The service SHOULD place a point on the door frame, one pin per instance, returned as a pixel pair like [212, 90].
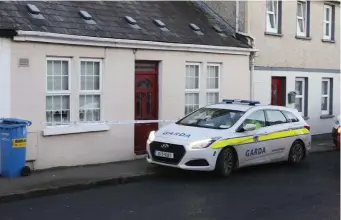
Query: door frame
[284, 85]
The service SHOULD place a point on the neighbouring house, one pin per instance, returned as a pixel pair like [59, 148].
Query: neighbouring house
[299, 44]
[75, 67]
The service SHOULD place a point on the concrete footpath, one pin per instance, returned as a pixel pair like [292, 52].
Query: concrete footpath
[60, 180]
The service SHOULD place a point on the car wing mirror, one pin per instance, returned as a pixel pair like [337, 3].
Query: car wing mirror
[249, 127]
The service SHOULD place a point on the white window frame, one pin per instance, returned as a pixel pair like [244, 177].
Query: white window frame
[275, 13]
[326, 112]
[325, 21]
[61, 92]
[91, 92]
[304, 18]
[303, 94]
[217, 90]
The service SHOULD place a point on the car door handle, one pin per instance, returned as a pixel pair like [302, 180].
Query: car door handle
[263, 133]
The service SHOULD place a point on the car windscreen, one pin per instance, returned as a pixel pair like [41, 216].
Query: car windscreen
[212, 118]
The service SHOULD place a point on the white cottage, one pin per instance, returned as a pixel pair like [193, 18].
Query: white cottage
[73, 68]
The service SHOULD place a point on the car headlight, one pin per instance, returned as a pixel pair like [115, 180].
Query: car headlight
[151, 137]
[203, 143]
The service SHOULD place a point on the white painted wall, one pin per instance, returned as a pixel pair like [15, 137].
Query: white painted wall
[117, 144]
[5, 77]
[318, 126]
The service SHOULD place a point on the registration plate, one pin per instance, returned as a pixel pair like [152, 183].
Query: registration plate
[164, 154]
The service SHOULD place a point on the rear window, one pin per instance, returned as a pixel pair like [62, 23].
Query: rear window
[290, 116]
[212, 118]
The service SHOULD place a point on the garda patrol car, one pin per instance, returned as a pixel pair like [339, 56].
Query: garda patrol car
[229, 135]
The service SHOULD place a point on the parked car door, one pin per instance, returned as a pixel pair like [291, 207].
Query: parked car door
[255, 151]
[277, 139]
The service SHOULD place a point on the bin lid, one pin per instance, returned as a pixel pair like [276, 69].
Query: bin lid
[14, 122]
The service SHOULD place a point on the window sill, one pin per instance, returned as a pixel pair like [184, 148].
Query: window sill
[328, 41]
[74, 129]
[326, 116]
[273, 34]
[302, 38]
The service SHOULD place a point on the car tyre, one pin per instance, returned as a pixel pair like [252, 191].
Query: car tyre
[225, 162]
[297, 153]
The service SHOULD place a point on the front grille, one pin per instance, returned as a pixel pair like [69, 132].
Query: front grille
[178, 151]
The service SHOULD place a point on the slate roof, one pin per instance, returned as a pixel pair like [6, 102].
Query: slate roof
[63, 17]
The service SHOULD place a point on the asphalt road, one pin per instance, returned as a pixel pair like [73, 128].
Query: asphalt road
[272, 192]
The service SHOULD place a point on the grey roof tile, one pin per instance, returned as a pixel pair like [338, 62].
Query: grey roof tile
[62, 17]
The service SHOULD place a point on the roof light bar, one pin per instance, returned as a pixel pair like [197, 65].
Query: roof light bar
[230, 101]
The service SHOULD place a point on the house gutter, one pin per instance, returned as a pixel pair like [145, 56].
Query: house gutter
[44, 37]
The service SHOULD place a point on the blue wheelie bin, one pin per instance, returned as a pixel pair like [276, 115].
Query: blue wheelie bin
[13, 139]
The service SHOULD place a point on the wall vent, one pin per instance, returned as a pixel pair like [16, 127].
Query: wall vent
[23, 62]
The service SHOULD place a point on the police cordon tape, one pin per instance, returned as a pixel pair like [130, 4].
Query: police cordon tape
[115, 122]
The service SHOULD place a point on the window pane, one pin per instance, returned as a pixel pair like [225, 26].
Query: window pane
[89, 108]
[325, 87]
[65, 68]
[212, 77]
[49, 67]
[49, 103]
[256, 118]
[290, 116]
[327, 14]
[57, 67]
[298, 104]
[57, 109]
[83, 68]
[299, 87]
[324, 104]
[89, 83]
[65, 103]
[212, 98]
[96, 78]
[89, 68]
[300, 25]
[299, 9]
[275, 117]
[269, 5]
[191, 102]
[57, 83]
[65, 82]
[192, 77]
[327, 29]
[97, 115]
[57, 103]
[49, 83]
[272, 20]
[83, 79]
[96, 68]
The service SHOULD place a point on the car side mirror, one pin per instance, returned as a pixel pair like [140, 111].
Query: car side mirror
[249, 127]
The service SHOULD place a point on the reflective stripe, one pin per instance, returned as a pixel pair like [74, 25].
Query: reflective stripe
[265, 137]
[232, 142]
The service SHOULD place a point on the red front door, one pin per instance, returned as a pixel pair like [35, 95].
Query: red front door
[278, 91]
[146, 103]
